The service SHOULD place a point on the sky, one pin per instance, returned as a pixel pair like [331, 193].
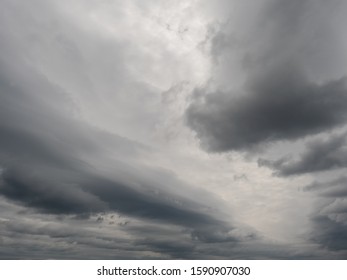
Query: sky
[173, 129]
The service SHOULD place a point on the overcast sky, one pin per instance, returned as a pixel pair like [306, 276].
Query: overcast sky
[173, 129]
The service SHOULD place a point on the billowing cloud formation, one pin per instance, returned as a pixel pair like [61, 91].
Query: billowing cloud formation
[283, 96]
[330, 218]
[44, 161]
[330, 234]
[320, 155]
[335, 188]
[277, 80]
[53, 162]
[96, 160]
[281, 106]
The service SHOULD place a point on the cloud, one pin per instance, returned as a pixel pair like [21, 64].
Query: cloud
[57, 160]
[277, 80]
[50, 195]
[329, 233]
[319, 155]
[95, 159]
[87, 194]
[33, 237]
[282, 106]
[333, 199]
[283, 96]
[335, 188]
[329, 217]
[70, 238]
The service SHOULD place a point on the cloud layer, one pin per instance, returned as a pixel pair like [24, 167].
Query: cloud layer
[319, 155]
[279, 99]
[282, 105]
[101, 107]
[277, 88]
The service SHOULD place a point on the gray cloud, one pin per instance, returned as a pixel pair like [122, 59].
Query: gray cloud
[319, 155]
[80, 239]
[33, 237]
[329, 218]
[330, 234]
[48, 194]
[335, 188]
[80, 169]
[278, 76]
[85, 194]
[282, 97]
[53, 162]
[282, 106]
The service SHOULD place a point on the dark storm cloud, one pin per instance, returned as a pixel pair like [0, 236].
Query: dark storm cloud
[48, 194]
[333, 202]
[329, 218]
[43, 150]
[53, 163]
[34, 239]
[147, 240]
[283, 106]
[334, 189]
[330, 234]
[62, 179]
[319, 155]
[45, 166]
[177, 248]
[279, 100]
[277, 75]
[60, 190]
[81, 193]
